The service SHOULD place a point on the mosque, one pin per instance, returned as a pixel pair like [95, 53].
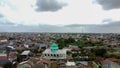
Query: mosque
[55, 53]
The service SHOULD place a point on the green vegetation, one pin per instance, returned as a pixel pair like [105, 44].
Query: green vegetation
[81, 42]
[96, 65]
[7, 65]
[99, 52]
[65, 42]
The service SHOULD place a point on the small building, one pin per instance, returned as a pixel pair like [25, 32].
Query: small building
[70, 64]
[26, 54]
[73, 47]
[110, 63]
[37, 63]
[3, 41]
[3, 55]
[24, 64]
[12, 56]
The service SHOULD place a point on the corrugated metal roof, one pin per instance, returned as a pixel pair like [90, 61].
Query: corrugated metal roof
[25, 52]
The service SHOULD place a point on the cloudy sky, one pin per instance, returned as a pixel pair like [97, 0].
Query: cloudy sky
[60, 15]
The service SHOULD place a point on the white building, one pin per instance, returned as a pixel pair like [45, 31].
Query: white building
[55, 53]
[60, 54]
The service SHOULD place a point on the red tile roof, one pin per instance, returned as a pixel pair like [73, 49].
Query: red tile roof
[3, 57]
[114, 59]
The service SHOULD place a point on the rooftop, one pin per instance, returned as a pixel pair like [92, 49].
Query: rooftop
[25, 52]
[70, 64]
[60, 51]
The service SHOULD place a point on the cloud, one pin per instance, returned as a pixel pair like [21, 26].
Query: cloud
[114, 24]
[109, 4]
[4, 21]
[1, 15]
[49, 5]
[73, 25]
[107, 20]
[111, 27]
[40, 28]
[6, 24]
[79, 25]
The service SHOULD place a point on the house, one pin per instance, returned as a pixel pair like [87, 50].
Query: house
[12, 56]
[110, 63]
[37, 63]
[84, 64]
[3, 41]
[26, 54]
[3, 55]
[70, 64]
[74, 48]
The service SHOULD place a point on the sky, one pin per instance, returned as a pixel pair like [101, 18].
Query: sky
[60, 15]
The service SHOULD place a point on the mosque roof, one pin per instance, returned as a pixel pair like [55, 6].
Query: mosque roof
[54, 46]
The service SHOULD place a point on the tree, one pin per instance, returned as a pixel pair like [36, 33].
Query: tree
[81, 43]
[8, 65]
[99, 52]
[60, 43]
[65, 42]
[71, 40]
[98, 43]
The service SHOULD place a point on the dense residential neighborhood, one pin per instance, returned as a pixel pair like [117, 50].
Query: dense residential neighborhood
[59, 50]
[59, 33]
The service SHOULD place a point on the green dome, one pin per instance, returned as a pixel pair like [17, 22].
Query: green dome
[54, 47]
[39, 35]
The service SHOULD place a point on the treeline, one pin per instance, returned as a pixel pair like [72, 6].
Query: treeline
[80, 42]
